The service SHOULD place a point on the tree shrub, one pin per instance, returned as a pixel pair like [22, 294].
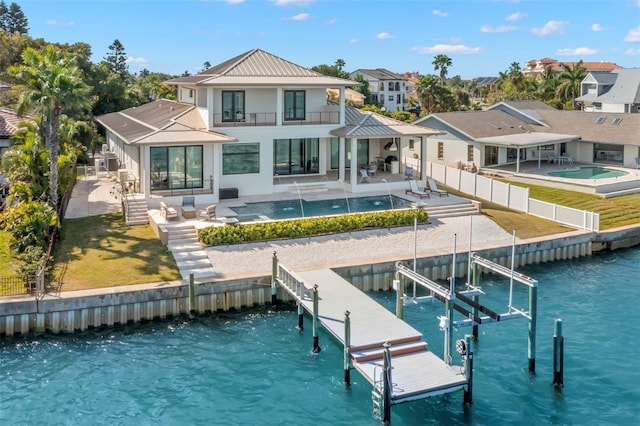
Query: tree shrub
[299, 228]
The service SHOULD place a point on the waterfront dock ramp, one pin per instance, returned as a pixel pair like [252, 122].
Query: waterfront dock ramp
[416, 372]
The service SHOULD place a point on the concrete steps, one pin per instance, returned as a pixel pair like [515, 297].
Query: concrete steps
[188, 253]
[137, 211]
[452, 210]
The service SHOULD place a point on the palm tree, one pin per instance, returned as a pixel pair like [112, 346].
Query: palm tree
[427, 89]
[569, 82]
[340, 64]
[442, 62]
[53, 82]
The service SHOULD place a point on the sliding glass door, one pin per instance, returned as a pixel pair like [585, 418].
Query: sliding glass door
[295, 156]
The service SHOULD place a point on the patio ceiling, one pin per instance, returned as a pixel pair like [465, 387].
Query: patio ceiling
[524, 140]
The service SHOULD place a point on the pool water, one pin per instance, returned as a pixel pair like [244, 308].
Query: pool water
[589, 173]
[290, 209]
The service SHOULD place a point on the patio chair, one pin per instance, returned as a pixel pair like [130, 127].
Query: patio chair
[364, 176]
[189, 202]
[168, 212]
[373, 170]
[408, 172]
[209, 213]
[413, 189]
[189, 207]
[431, 185]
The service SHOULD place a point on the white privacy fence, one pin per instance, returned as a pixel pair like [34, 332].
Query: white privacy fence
[514, 197]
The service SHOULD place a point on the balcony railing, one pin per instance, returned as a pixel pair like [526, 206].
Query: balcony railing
[256, 119]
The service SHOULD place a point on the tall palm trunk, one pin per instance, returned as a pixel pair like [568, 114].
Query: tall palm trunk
[54, 127]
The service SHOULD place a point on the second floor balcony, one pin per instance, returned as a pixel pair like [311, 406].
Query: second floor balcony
[248, 119]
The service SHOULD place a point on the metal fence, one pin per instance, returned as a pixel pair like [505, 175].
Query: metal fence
[14, 285]
[513, 197]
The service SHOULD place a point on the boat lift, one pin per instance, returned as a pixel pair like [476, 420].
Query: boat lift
[467, 302]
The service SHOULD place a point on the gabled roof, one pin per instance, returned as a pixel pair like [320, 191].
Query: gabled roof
[585, 124]
[9, 123]
[369, 124]
[257, 67]
[379, 74]
[625, 87]
[161, 121]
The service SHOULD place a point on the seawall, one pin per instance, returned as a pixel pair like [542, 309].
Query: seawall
[76, 311]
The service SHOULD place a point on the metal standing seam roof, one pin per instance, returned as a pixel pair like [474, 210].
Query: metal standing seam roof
[369, 124]
[160, 121]
[259, 67]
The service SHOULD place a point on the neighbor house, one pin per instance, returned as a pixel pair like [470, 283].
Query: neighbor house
[9, 122]
[511, 132]
[537, 67]
[387, 88]
[615, 91]
[257, 124]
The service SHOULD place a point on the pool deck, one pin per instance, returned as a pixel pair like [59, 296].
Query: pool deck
[606, 187]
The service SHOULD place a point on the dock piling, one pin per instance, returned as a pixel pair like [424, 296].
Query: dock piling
[558, 355]
[274, 277]
[347, 344]
[192, 297]
[387, 384]
[300, 316]
[316, 347]
[533, 308]
[467, 356]
[398, 285]
[476, 284]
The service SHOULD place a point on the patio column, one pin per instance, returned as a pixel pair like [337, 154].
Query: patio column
[343, 91]
[341, 159]
[353, 163]
[517, 160]
[279, 106]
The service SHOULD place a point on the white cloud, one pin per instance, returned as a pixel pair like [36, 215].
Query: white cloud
[515, 17]
[353, 41]
[551, 27]
[292, 2]
[332, 21]
[138, 62]
[384, 36]
[459, 49]
[579, 51]
[235, 1]
[300, 17]
[498, 29]
[632, 52]
[596, 27]
[633, 35]
[55, 23]
[440, 13]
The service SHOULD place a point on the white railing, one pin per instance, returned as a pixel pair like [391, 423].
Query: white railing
[292, 282]
[513, 197]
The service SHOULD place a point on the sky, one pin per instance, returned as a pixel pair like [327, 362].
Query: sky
[482, 37]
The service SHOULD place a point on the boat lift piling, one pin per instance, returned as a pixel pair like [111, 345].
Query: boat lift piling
[558, 355]
[347, 346]
[316, 347]
[274, 277]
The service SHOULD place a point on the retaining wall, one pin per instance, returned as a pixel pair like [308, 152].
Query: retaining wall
[75, 311]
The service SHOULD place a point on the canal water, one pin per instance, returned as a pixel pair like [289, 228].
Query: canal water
[255, 367]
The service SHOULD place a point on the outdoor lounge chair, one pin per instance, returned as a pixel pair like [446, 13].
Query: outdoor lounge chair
[209, 213]
[413, 189]
[168, 212]
[431, 185]
[408, 173]
[364, 176]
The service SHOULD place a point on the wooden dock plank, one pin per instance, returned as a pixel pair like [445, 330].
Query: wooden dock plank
[371, 323]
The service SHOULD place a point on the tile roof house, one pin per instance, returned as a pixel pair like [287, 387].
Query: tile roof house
[9, 123]
[537, 66]
[511, 132]
[387, 88]
[615, 91]
[252, 125]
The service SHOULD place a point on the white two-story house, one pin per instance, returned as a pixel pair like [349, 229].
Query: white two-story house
[258, 124]
[616, 91]
[387, 88]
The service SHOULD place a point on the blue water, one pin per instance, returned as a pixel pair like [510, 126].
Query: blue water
[254, 367]
[589, 173]
[289, 209]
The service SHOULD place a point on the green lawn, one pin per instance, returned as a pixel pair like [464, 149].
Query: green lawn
[7, 263]
[614, 212]
[102, 251]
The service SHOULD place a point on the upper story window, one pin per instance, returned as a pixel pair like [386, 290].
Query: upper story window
[233, 105]
[391, 86]
[294, 104]
[397, 86]
[381, 87]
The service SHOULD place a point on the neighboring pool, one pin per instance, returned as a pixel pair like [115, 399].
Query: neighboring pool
[289, 209]
[589, 173]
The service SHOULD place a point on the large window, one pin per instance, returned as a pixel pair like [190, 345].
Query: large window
[490, 155]
[240, 158]
[233, 105]
[362, 145]
[294, 101]
[295, 156]
[608, 153]
[176, 167]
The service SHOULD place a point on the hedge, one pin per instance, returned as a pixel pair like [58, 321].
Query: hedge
[298, 228]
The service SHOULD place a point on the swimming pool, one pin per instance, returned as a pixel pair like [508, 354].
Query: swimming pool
[589, 173]
[289, 209]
